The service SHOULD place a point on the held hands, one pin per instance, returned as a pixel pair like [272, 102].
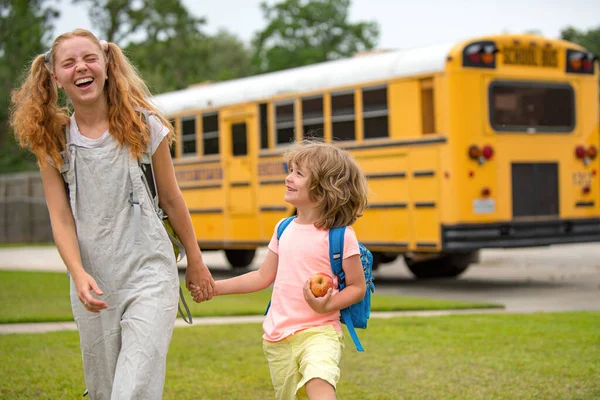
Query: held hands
[199, 281]
[318, 304]
[85, 284]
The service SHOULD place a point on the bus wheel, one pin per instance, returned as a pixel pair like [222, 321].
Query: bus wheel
[240, 258]
[388, 257]
[376, 260]
[445, 266]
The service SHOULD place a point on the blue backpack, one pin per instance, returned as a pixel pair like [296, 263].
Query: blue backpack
[357, 314]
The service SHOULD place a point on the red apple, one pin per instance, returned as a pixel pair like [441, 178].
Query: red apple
[320, 284]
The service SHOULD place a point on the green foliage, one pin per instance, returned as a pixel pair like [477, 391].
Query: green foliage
[177, 62]
[165, 41]
[25, 29]
[118, 21]
[302, 32]
[590, 39]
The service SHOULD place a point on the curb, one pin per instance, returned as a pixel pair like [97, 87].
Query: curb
[44, 327]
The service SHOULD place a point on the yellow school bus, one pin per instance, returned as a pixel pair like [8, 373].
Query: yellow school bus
[487, 143]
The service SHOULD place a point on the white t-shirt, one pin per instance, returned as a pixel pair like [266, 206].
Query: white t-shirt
[157, 133]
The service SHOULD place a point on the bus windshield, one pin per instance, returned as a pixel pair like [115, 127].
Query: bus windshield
[531, 107]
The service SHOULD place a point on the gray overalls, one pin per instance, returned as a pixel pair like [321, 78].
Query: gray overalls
[125, 248]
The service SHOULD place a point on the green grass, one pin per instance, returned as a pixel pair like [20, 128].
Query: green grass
[538, 356]
[44, 296]
[20, 245]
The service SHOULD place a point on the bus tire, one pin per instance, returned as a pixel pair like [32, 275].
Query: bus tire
[388, 257]
[376, 260]
[239, 258]
[445, 266]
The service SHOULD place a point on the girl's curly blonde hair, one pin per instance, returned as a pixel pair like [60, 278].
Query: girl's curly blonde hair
[39, 123]
[336, 183]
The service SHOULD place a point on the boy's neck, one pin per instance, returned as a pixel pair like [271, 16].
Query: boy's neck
[307, 216]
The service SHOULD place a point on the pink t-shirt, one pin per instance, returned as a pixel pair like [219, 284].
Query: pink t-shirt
[303, 251]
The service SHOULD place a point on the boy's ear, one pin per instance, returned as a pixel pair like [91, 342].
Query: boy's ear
[56, 80]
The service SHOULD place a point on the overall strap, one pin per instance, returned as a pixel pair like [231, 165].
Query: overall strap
[145, 164]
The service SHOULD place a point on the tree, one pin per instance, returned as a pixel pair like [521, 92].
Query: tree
[590, 39]
[176, 63]
[119, 21]
[302, 32]
[167, 44]
[25, 29]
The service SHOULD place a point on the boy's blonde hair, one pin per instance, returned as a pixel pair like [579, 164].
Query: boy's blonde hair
[39, 122]
[336, 183]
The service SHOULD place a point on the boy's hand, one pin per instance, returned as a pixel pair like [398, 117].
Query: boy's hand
[318, 304]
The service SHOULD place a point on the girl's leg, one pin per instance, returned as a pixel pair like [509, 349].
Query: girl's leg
[147, 326]
[319, 389]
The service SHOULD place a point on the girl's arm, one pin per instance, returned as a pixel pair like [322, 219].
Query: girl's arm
[172, 202]
[65, 237]
[252, 281]
[353, 292]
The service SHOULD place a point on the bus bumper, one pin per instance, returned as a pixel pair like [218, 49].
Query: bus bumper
[465, 237]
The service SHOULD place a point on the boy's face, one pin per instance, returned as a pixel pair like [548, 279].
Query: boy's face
[297, 186]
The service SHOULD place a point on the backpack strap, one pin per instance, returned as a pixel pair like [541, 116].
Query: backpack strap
[284, 224]
[280, 228]
[336, 254]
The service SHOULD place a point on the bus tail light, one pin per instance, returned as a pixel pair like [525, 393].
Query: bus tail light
[480, 55]
[481, 155]
[586, 190]
[485, 192]
[580, 152]
[487, 152]
[592, 152]
[580, 62]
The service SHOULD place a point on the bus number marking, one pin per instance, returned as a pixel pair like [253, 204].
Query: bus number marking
[582, 178]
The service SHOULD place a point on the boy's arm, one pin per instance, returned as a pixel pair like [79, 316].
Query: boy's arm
[251, 281]
[353, 292]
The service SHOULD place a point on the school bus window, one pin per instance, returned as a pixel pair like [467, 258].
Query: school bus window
[239, 139]
[284, 123]
[312, 117]
[342, 116]
[210, 134]
[375, 112]
[188, 135]
[172, 146]
[428, 106]
[531, 107]
[264, 126]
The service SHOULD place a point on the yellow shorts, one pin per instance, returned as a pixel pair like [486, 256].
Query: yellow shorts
[311, 353]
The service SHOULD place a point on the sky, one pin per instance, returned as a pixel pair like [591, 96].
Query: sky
[403, 24]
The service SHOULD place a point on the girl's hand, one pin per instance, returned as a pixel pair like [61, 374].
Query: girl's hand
[199, 281]
[85, 284]
[318, 304]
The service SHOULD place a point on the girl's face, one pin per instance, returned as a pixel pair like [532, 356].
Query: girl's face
[80, 69]
[297, 186]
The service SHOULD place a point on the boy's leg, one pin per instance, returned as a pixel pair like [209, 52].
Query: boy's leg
[283, 367]
[320, 355]
[318, 389]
